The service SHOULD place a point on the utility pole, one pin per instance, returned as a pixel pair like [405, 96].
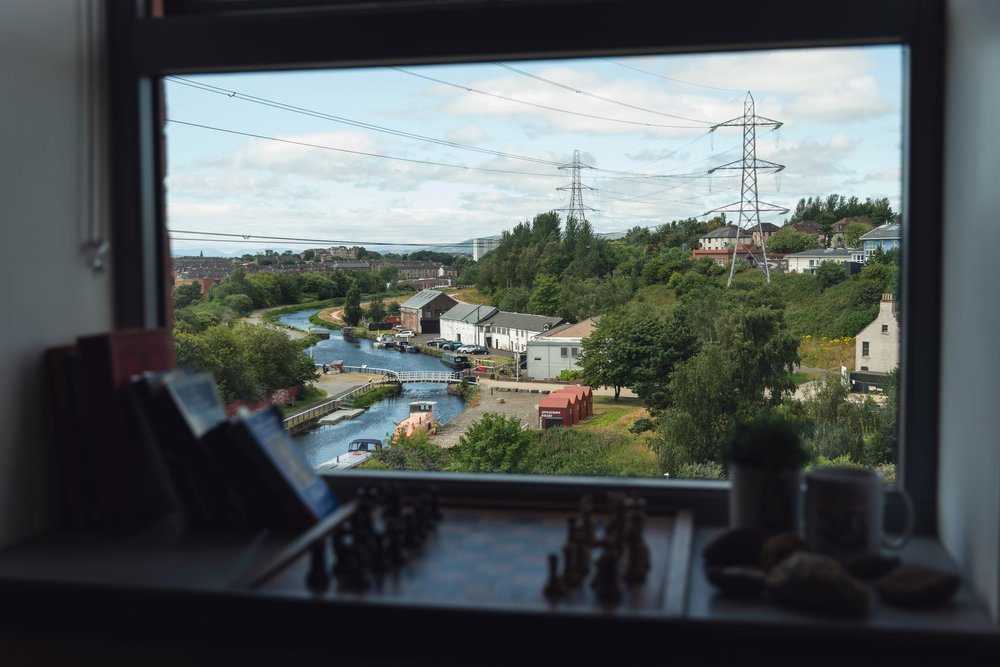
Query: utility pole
[749, 206]
[576, 209]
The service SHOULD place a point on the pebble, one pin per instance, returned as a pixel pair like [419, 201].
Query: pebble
[737, 580]
[818, 583]
[737, 546]
[917, 587]
[779, 547]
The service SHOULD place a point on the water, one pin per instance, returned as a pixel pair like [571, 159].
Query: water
[327, 442]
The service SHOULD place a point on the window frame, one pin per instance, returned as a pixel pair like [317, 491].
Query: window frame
[201, 36]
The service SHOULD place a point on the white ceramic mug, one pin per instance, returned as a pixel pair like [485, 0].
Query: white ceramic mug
[844, 512]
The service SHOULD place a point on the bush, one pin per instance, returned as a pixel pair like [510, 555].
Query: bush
[642, 425]
[569, 376]
[496, 443]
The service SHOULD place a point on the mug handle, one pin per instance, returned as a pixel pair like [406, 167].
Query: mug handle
[899, 541]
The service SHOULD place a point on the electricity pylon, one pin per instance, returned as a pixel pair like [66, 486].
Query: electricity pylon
[749, 206]
[576, 209]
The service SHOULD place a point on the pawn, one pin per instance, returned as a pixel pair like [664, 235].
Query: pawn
[317, 579]
[411, 532]
[554, 588]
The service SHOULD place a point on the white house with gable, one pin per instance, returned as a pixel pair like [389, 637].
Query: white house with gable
[877, 346]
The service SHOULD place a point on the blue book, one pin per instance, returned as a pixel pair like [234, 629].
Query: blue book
[304, 496]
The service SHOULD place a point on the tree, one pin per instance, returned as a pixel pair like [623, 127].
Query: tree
[609, 357]
[308, 255]
[352, 305]
[544, 298]
[829, 273]
[388, 274]
[787, 240]
[496, 443]
[240, 303]
[185, 295]
[853, 232]
[376, 310]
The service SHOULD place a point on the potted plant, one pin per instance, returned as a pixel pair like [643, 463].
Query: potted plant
[765, 457]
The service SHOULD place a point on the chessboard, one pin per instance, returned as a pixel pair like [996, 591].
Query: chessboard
[609, 556]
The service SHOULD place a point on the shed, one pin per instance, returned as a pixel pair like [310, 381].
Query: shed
[555, 410]
[585, 396]
[575, 404]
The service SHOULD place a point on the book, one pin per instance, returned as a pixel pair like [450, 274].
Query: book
[77, 494]
[301, 496]
[129, 490]
[177, 409]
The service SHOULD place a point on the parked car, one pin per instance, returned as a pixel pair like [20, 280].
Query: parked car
[405, 333]
[473, 349]
[450, 345]
[434, 342]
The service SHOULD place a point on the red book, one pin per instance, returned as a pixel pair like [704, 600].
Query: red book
[129, 488]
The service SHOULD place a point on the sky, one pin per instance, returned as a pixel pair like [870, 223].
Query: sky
[441, 154]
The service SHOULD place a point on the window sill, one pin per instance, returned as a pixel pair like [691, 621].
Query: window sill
[164, 580]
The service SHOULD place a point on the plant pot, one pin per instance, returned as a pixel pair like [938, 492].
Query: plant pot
[764, 498]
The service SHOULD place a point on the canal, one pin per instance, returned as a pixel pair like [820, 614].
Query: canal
[329, 441]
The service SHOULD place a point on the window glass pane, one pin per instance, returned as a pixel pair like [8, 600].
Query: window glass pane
[666, 222]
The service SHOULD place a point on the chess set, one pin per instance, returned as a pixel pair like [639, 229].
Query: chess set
[605, 555]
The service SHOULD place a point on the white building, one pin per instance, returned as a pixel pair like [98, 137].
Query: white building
[723, 238]
[877, 346]
[558, 349]
[482, 246]
[460, 323]
[808, 261]
[512, 331]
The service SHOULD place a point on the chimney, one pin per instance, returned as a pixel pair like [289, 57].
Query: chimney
[887, 297]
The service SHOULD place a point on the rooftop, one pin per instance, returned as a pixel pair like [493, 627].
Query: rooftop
[422, 298]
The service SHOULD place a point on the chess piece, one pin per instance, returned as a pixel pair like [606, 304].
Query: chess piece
[606, 584]
[554, 588]
[317, 579]
[571, 571]
[637, 559]
[411, 534]
[436, 513]
[394, 532]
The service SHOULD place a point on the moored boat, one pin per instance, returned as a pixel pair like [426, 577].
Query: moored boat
[358, 451]
[421, 418]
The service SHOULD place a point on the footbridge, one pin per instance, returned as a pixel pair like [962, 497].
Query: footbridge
[449, 377]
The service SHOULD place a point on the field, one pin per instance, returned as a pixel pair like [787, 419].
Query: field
[828, 353]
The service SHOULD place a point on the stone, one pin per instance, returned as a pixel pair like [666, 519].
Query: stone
[818, 583]
[779, 547]
[917, 587]
[870, 566]
[737, 580]
[500, 401]
[737, 546]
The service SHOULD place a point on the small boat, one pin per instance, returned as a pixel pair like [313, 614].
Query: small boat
[406, 347]
[358, 451]
[421, 418]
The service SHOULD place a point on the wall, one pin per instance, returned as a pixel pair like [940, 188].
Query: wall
[49, 294]
[969, 471]
[883, 348]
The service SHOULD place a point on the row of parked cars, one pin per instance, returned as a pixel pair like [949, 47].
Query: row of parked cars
[456, 346]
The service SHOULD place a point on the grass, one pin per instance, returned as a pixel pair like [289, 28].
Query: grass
[308, 397]
[615, 415]
[374, 396]
[469, 295]
[828, 353]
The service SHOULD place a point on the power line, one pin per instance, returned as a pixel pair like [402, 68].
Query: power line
[542, 106]
[354, 123]
[668, 78]
[363, 153]
[253, 238]
[598, 97]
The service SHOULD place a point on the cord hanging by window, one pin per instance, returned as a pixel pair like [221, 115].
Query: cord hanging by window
[93, 133]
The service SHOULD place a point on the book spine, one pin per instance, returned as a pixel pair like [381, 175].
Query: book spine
[130, 493]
